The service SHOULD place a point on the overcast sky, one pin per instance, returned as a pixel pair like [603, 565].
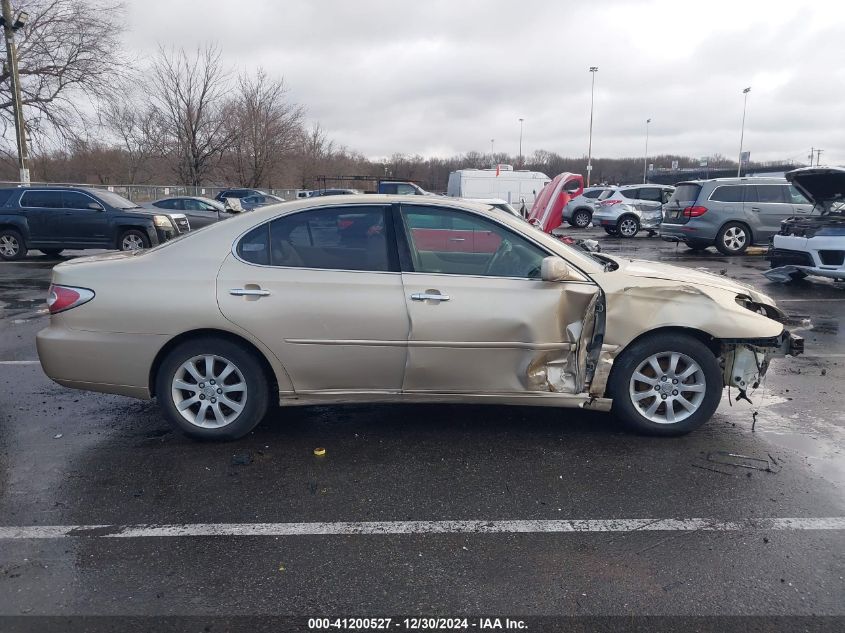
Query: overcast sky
[441, 77]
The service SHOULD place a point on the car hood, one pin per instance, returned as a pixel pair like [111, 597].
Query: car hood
[686, 276]
[819, 184]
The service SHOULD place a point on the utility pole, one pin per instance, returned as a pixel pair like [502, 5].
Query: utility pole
[9, 28]
[742, 133]
[520, 141]
[593, 71]
[645, 159]
[818, 158]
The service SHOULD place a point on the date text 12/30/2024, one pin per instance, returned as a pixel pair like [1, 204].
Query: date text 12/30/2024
[416, 624]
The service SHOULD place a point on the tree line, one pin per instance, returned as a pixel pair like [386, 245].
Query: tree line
[187, 118]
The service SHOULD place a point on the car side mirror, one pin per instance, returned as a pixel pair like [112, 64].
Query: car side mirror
[555, 269]
[96, 206]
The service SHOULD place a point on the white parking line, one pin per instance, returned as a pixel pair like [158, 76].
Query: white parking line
[539, 526]
[20, 362]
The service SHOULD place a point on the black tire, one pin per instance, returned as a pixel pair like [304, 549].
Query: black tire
[609, 230]
[132, 236]
[620, 384]
[627, 226]
[729, 235]
[52, 252]
[12, 245]
[256, 395]
[581, 218]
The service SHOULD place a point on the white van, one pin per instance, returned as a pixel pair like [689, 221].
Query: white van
[512, 186]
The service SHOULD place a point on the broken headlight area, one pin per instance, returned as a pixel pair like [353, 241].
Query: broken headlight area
[746, 361]
[765, 309]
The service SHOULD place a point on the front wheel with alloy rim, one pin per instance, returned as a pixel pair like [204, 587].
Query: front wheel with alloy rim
[733, 239]
[12, 246]
[627, 226]
[133, 240]
[581, 218]
[666, 384]
[212, 388]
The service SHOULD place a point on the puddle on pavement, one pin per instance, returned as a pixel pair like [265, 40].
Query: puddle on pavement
[23, 298]
[815, 440]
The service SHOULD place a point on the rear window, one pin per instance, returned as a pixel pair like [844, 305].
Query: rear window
[727, 193]
[685, 194]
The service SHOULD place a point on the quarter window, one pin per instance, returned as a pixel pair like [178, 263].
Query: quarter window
[42, 199]
[456, 242]
[341, 238]
[727, 193]
[254, 247]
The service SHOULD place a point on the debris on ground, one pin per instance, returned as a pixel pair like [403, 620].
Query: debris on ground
[735, 460]
[783, 274]
[57, 436]
[319, 451]
[242, 459]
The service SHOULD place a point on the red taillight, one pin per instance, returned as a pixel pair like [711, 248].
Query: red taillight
[608, 203]
[61, 298]
[694, 212]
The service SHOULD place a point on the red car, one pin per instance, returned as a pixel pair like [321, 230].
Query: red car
[547, 211]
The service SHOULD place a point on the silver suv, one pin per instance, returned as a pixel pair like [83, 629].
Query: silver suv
[730, 213]
[579, 211]
[623, 211]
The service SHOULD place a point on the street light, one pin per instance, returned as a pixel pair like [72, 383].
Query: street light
[742, 132]
[593, 71]
[520, 141]
[492, 153]
[645, 160]
[9, 27]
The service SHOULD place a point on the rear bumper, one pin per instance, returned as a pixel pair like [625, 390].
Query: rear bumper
[684, 233]
[110, 362]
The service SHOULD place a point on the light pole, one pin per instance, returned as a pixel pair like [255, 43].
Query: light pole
[9, 27]
[742, 132]
[593, 71]
[521, 120]
[645, 160]
[492, 152]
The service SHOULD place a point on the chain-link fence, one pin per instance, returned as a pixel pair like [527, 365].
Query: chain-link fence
[147, 193]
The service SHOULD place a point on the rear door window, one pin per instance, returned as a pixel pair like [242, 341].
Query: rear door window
[653, 194]
[771, 194]
[340, 238]
[42, 199]
[727, 193]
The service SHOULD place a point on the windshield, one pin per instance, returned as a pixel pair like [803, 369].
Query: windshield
[116, 201]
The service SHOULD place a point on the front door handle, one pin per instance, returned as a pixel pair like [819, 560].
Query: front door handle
[755, 208]
[429, 296]
[249, 292]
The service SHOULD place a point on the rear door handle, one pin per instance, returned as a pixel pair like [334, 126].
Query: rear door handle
[457, 239]
[249, 292]
[429, 296]
[755, 208]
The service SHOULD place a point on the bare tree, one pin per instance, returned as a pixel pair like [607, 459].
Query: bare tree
[68, 51]
[316, 150]
[265, 128]
[137, 128]
[191, 95]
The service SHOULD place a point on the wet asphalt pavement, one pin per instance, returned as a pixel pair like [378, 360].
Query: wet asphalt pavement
[72, 458]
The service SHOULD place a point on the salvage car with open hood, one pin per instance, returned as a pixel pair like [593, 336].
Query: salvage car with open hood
[400, 299]
[813, 244]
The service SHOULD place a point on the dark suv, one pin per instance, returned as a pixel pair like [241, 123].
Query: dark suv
[52, 219]
[238, 193]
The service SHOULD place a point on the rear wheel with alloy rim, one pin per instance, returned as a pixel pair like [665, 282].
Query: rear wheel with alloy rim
[733, 239]
[627, 226]
[12, 246]
[581, 218]
[133, 240]
[212, 389]
[666, 384]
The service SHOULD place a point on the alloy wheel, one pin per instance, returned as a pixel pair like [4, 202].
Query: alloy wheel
[667, 387]
[628, 227]
[209, 391]
[131, 242]
[734, 238]
[9, 245]
[582, 219]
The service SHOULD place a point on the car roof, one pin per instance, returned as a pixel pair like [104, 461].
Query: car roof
[742, 180]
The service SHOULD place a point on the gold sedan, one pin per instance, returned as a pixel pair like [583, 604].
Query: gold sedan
[382, 298]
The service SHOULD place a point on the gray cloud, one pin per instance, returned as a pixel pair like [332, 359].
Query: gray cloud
[443, 77]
